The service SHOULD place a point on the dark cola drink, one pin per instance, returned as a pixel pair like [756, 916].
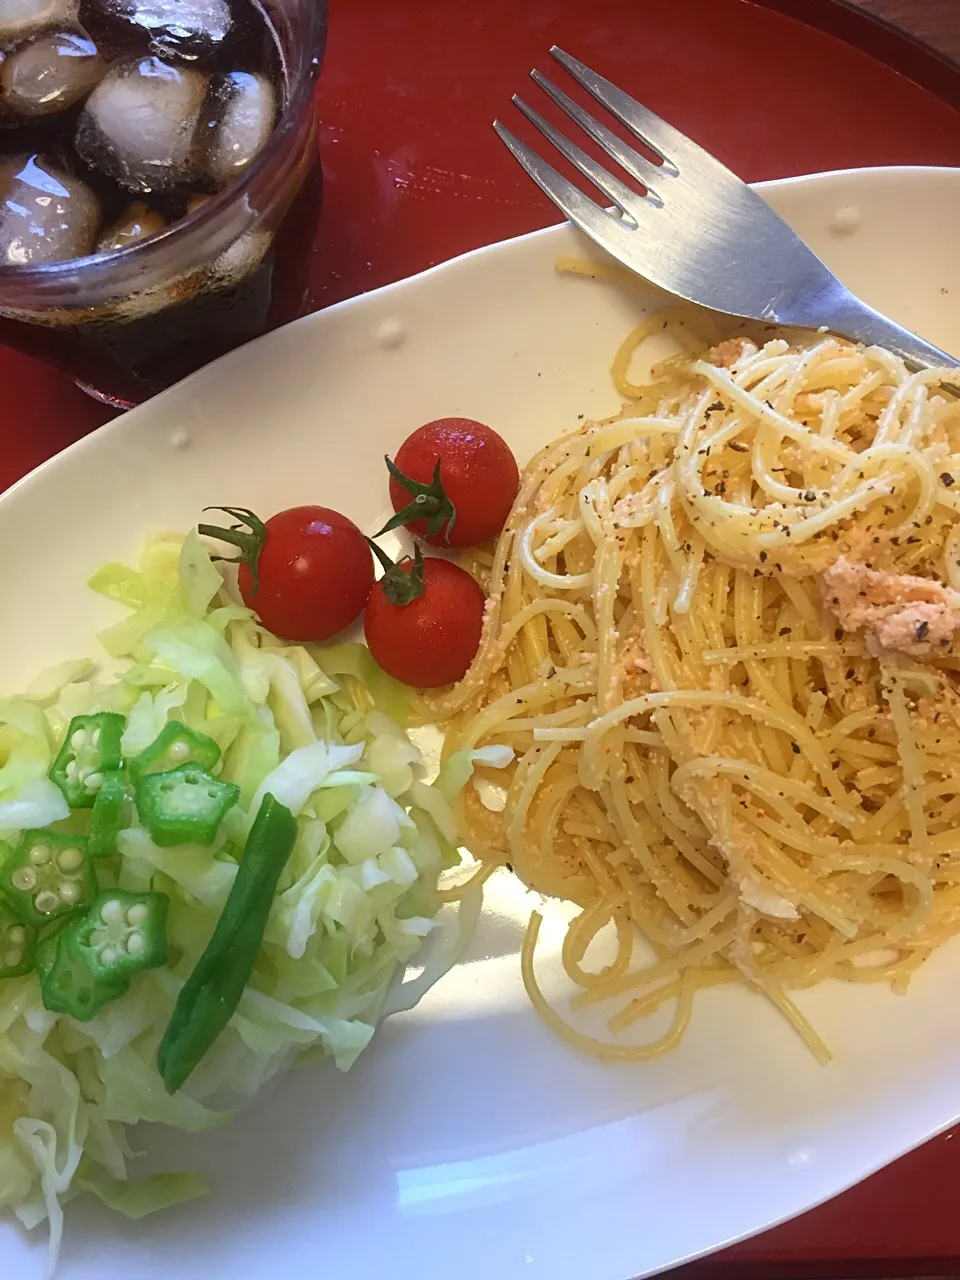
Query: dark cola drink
[118, 120]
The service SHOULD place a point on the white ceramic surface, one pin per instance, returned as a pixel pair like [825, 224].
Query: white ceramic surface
[469, 1144]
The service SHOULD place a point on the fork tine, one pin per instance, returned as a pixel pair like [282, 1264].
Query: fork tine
[629, 201]
[669, 143]
[603, 227]
[636, 165]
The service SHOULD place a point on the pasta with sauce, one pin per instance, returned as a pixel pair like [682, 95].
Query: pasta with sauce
[721, 638]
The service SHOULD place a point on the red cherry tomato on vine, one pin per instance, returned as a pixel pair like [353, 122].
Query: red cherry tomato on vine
[306, 572]
[469, 500]
[423, 621]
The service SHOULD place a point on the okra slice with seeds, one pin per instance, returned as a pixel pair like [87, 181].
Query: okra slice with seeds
[90, 749]
[18, 944]
[68, 986]
[175, 745]
[184, 806]
[122, 933]
[48, 875]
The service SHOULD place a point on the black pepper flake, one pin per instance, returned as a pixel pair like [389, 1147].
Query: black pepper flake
[739, 447]
[809, 496]
[795, 747]
[850, 673]
[838, 633]
[763, 556]
[785, 631]
[712, 408]
[946, 478]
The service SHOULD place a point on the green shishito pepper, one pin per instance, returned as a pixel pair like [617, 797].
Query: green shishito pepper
[175, 745]
[90, 749]
[18, 944]
[184, 806]
[112, 813]
[48, 875]
[212, 992]
[93, 960]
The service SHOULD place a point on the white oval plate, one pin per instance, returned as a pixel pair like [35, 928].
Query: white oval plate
[469, 1142]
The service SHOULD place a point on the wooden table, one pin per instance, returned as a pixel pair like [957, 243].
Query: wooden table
[935, 22]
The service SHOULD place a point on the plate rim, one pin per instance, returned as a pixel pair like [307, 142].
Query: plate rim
[121, 424]
[129, 423]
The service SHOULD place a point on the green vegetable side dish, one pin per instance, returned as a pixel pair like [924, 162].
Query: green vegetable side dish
[90, 749]
[92, 960]
[112, 813]
[231, 855]
[47, 875]
[18, 944]
[174, 746]
[184, 806]
[210, 995]
[122, 934]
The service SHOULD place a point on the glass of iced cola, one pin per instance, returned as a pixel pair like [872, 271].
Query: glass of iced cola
[159, 181]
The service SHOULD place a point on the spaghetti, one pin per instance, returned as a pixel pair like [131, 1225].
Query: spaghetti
[720, 639]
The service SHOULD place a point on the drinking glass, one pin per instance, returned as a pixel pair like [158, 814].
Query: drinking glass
[127, 323]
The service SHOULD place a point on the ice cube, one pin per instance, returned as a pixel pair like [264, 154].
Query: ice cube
[51, 72]
[177, 28]
[137, 222]
[239, 259]
[18, 18]
[139, 125]
[46, 215]
[245, 109]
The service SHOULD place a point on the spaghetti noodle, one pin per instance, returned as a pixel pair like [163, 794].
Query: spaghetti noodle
[720, 639]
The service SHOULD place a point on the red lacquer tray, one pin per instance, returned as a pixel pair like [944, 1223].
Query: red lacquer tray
[416, 175]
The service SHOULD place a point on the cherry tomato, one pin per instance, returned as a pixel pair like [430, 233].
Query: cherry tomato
[315, 573]
[478, 474]
[432, 640]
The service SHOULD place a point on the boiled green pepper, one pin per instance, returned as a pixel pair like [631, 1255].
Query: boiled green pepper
[112, 813]
[90, 749]
[210, 995]
[48, 875]
[175, 745]
[184, 806]
[18, 944]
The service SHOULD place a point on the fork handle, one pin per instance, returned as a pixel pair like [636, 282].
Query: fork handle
[854, 319]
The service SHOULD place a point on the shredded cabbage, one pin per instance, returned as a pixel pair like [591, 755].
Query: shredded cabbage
[321, 729]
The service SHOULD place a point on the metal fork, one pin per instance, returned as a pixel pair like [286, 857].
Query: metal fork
[697, 231]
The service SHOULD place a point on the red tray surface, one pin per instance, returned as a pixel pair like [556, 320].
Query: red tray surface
[415, 175]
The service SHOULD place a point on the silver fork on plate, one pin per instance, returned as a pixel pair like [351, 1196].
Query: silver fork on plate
[698, 231]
